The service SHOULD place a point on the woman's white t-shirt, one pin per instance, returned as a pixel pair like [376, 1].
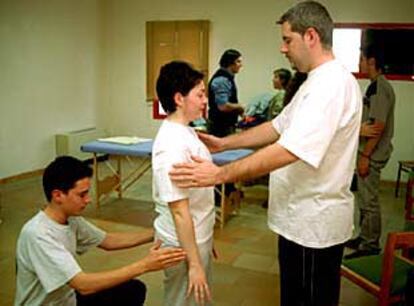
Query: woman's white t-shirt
[176, 143]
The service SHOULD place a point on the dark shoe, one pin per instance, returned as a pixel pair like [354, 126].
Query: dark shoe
[361, 253]
[353, 243]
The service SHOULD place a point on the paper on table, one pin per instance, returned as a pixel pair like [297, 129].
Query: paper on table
[127, 140]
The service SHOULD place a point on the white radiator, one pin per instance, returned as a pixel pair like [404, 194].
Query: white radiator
[69, 143]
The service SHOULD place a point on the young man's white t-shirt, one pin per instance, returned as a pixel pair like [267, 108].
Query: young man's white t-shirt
[46, 259]
[176, 143]
[310, 202]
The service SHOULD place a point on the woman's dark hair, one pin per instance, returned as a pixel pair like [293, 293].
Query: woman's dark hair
[293, 85]
[176, 76]
[284, 76]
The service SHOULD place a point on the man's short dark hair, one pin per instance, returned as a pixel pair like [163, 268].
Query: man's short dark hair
[310, 14]
[229, 57]
[63, 173]
[176, 77]
[284, 76]
[376, 52]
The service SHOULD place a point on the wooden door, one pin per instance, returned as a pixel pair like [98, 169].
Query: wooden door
[175, 40]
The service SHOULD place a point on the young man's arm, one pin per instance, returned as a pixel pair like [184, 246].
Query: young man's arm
[197, 281]
[370, 130]
[364, 156]
[116, 241]
[157, 259]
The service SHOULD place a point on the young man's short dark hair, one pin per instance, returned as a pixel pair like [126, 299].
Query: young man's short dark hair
[376, 52]
[229, 57]
[63, 173]
[176, 77]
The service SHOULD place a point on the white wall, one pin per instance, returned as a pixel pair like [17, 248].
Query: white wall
[256, 39]
[251, 29]
[54, 79]
[49, 59]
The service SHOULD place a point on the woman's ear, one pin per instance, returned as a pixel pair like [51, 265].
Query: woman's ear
[178, 99]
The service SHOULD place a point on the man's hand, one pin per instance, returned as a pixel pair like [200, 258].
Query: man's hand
[197, 283]
[158, 258]
[370, 130]
[363, 166]
[200, 173]
[213, 143]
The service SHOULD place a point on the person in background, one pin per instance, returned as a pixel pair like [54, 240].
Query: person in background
[266, 108]
[185, 216]
[310, 150]
[293, 86]
[47, 270]
[375, 149]
[223, 101]
[223, 104]
[281, 79]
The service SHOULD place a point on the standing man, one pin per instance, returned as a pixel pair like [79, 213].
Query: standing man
[311, 152]
[374, 151]
[47, 270]
[223, 103]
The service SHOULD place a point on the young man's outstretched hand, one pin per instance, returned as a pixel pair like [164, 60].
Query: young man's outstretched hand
[161, 258]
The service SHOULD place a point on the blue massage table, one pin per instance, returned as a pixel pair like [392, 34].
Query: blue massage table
[119, 182]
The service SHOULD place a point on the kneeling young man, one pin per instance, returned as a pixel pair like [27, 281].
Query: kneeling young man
[47, 271]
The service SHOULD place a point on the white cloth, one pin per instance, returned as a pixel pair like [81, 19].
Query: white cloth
[126, 140]
[176, 143]
[176, 278]
[45, 259]
[310, 202]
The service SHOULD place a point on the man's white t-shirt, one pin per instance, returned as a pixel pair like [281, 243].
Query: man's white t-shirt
[46, 259]
[176, 143]
[310, 201]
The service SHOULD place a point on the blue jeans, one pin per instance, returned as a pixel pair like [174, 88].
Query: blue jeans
[369, 206]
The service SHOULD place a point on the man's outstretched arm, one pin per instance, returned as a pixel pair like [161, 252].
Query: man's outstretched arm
[202, 173]
[258, 136]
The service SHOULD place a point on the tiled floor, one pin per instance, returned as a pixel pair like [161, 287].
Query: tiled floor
[244, 274]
